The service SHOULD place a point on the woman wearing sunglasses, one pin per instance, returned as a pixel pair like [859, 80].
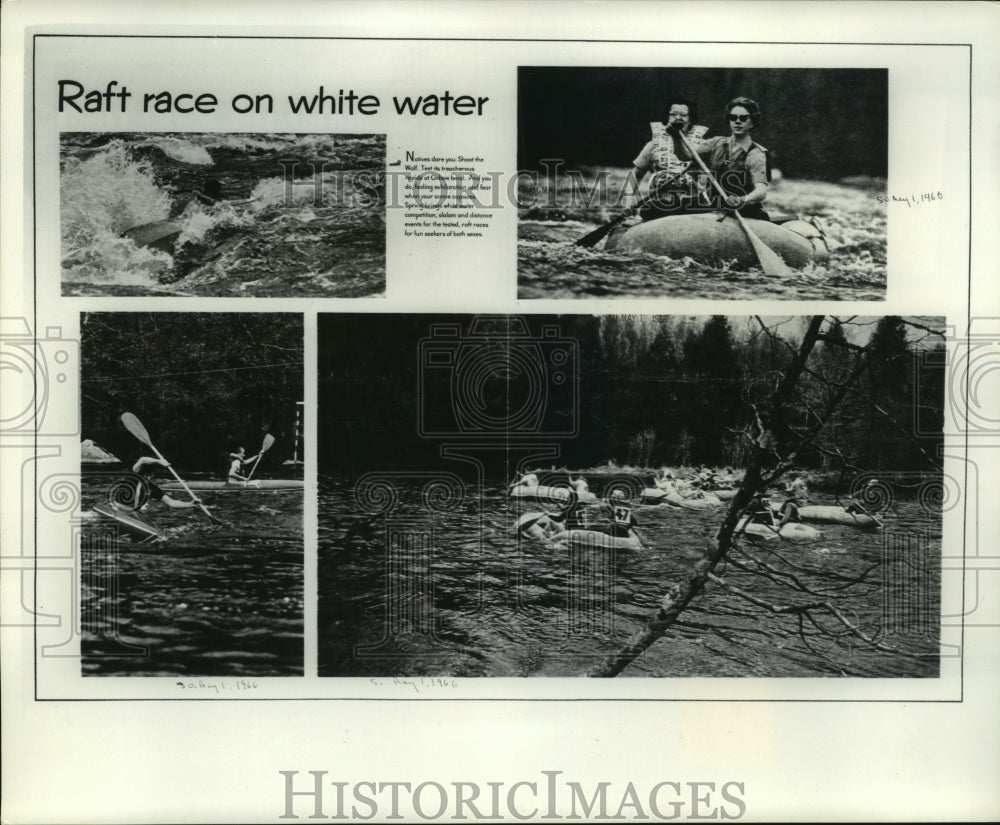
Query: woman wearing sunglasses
[738, 163]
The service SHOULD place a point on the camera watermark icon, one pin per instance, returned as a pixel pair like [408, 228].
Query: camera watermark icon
[968, 367]
[34, 369]
[498, 380]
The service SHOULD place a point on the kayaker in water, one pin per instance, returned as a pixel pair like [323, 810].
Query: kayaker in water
[135, 493]
[738, 163]
[236, 462]
[570, 515]
[672, 188]
[622, 520]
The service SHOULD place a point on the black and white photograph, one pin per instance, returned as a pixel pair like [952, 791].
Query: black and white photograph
[222, 215]
[702, 183]
[644, 496]
[192, 494]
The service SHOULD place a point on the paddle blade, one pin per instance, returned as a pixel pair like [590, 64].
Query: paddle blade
[134, 426]
[595, 237]
[769, 260]
[268, 443]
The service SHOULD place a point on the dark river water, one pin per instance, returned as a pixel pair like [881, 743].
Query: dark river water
[424, 579]
[209, 601]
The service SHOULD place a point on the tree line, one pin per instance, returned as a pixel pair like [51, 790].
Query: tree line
[652, 390]
[201, 383]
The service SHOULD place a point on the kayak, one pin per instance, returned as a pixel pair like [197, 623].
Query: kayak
[541, 492]
[792, 531]
[160, 235]
[704, 237]
[832, 514]
[237, 486]
[594, 538]
[132, 524]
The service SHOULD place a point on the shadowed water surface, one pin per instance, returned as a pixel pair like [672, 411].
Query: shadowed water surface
[208, 601]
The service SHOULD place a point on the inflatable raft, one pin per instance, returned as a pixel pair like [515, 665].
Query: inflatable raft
[236, 486]
[831, 514]
[704, 237]
[542, 492]
[792, 531]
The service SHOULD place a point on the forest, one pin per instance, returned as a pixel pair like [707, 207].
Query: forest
[651, 390]
[821, 124]
[201, 383]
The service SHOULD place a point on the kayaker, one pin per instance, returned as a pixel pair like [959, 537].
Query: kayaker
[136, 492]
[671, 188]
[236, 462]
[738, 163]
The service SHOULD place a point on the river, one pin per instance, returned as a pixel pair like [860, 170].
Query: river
[458, 593]
[208, 601]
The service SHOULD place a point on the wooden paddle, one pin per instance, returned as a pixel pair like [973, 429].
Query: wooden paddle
[593, 238]
[769, 260]
[268, 442]
[134, 426]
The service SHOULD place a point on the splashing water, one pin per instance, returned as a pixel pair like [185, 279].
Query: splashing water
[103, 196]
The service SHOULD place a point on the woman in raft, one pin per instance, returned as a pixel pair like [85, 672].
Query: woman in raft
[737, 163]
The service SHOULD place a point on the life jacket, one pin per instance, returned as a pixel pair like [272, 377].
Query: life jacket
[665, 153]
[737, 164]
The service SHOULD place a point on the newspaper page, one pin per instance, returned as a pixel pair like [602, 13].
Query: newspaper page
[506, 412]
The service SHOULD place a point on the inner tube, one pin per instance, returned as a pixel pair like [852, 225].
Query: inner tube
[792, 531]
[541, 492]
[594, 538]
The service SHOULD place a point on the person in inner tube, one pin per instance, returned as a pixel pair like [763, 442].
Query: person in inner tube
[739, 164]
[672, 189]
[760, 510]
[854, 506]
[789, 511]
[570, 515]
[141, 490]
[622, 520]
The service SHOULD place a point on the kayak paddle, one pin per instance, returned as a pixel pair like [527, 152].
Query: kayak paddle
[134, 426]
[769, 260]
[268, 442]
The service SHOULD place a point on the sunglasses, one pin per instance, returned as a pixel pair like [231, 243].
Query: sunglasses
[734, 118]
